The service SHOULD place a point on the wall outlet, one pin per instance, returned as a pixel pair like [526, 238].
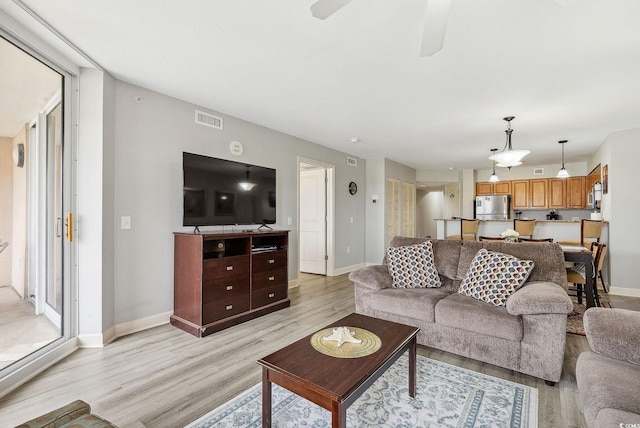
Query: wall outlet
[348, 249]
[289, 221]
[125, 222]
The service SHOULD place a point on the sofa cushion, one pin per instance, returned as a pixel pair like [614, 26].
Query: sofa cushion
[605, 382]
[413, 266]
[465, 313]
[416, 303]
[493, 277]
[608, 418]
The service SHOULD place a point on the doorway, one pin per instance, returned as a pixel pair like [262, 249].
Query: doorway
[33, 313]
[315, 214]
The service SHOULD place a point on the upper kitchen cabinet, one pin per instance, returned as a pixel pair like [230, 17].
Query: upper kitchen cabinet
[576, 192]
[557, 193]
[538, 193]
[520, 194]
[486, 188]
[502, 188]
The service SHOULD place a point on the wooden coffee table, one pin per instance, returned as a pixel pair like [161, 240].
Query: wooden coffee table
[335, 383]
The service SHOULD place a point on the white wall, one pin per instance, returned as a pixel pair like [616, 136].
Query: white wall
[429, 205]
[150, 137]
[623, 150]
[18, 236]
[6, 209]
[375, 212]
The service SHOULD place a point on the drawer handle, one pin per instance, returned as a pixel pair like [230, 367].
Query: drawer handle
[229, 287]
[228, 307]
[272, 294]
[229, 267]
[271, 278]
[271, 261]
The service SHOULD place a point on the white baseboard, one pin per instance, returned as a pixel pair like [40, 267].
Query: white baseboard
[294, 283]
[123, 329]
[134, 326]
[348, 269]
[622, 291]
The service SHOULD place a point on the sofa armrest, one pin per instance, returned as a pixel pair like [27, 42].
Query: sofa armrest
[614, 333]
[375, 277]
[539, 297]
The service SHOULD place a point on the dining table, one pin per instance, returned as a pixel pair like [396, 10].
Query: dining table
[580, 254]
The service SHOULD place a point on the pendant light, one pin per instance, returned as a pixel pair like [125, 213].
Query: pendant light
[247, 184]
[563, 173]
[509, 157]
[493, 177]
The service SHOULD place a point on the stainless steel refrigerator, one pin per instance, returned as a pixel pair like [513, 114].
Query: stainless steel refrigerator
[493, 207]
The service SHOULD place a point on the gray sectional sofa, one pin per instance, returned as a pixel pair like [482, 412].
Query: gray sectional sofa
[608, 377]
[526, 335]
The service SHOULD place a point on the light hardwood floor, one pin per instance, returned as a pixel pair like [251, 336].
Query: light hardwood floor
[164, 377]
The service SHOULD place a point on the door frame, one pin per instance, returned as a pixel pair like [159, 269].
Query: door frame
[330, 210]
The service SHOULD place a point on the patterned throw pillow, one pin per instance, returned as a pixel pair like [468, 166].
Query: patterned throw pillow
[493, 277]
[413, 266]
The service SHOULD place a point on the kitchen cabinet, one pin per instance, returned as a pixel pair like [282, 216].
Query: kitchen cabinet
[538, 193]
[576, 192]
[520, 194]
[557, 193]
[502, 188]
[484, 188]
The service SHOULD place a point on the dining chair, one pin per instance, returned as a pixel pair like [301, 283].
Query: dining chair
[590, 231]
[535, 240]
[490, 238]
[524, 227]
[468, 230]
[576, 274]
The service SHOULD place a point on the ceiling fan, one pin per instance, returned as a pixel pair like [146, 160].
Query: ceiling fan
[435, 22]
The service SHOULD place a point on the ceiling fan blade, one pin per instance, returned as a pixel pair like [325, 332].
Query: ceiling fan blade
[435, 26]
[322, 9]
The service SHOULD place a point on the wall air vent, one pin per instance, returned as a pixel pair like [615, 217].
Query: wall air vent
[538, 171]
[209, 120]
[352, 161]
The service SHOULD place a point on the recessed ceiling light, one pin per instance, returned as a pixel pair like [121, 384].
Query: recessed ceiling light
[355, 139]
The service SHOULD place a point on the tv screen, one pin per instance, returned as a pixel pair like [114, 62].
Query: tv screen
[222, 192]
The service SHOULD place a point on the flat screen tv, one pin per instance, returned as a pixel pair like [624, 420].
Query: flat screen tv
[222, 192]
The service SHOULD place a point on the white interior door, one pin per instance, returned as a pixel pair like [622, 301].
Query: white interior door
[313, 221]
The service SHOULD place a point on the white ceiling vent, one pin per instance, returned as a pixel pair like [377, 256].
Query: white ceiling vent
[210, 120]
[352, 161]
[538, 171]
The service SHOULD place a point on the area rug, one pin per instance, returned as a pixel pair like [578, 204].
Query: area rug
[574, 320]
[446, 396]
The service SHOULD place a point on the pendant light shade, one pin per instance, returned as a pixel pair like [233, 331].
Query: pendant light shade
[493, 177]
[509, 157]
[247, 184]
[563, 173]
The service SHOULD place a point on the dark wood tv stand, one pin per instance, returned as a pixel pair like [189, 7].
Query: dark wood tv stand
[224, 279]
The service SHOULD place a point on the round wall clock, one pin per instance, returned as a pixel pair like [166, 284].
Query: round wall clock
[353, 188]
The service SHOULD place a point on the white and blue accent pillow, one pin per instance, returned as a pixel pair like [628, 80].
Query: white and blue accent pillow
[413, 266]
[493, 277]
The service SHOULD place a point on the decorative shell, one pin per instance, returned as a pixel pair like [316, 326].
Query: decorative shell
[342, 335]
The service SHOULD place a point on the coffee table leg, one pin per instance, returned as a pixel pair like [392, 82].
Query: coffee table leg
[412, 368]
[338, 415]
[266, 398]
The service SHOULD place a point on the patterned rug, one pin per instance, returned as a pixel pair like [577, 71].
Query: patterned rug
[446, 396]
[574, 320]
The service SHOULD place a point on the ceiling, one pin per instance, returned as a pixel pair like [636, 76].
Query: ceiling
[566, 69]
[26, 86]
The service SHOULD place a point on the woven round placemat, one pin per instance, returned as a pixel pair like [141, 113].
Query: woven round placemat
[370, 344]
